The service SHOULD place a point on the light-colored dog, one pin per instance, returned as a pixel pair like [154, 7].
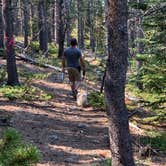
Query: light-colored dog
[82, 98]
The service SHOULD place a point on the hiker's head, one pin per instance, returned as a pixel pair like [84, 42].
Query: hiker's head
[73, 42]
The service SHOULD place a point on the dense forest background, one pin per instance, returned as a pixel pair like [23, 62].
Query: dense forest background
[38, 31]
[46, 24]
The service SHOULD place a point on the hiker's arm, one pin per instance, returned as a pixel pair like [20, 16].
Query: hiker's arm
[63, 63]
[82, 65]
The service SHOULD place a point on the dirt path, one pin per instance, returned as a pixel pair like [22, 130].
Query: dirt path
[65, 134]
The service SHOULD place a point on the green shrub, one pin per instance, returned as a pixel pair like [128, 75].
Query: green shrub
[152, 78]
[52, 49]
[35, 46]
[15, 152]
[108, 162]
[155, 139]
[31, 75]
[2, 74]
[26, 92]
[96, 99]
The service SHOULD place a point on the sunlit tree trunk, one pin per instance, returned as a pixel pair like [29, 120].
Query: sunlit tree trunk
[120, 139]
[56, 21]
[80, 24]
[92, 25]
[10, 52]
[68, 22]
[140, 48]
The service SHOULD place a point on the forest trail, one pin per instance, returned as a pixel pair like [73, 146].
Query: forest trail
[64, 133]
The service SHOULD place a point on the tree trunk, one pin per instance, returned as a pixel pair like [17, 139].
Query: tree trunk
[120, 139]
[18, 24]
[33, 22]
[10, 52]
[80, 25]
[26, 25]
[92, 25]
[68, 22]
[50, 24]
[1, 28]
[61, 26]
[56, 21]
[43, 34]
[140, 49]
[108, 30]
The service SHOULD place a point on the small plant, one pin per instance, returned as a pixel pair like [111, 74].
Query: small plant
[2, 74]
[2, 51]
[108, 162]
[15, 152]
[155, 139]
[52, 49]
[35, 46]
[96, 99]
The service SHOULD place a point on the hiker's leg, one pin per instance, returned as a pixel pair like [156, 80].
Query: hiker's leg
[77, 84]
[72, 84]
[73, 77]
[74, 90]
[77, 77]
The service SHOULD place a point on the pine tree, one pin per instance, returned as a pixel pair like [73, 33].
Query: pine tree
[120, 139]
[10, 52]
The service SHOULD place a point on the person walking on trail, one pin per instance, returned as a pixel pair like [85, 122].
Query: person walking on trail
[75, 63]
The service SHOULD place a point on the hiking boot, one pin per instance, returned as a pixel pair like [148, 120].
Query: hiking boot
[75, 94]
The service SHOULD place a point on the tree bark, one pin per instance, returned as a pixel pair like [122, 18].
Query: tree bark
[33, 22]
[10, 52]
[92, 25]
[61, 26]
[18, 24]
[120, 139]
[140, 48]
[68, 22]
[26, 25]
[50, 23]
[1, 27]
[56, 21]
[43, 35]
[80, 25]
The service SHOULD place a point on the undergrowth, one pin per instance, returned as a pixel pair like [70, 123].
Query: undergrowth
[96, 99]
[24, 92]
[157, 140]
[2, 74]
[15, 152]
[154, 103]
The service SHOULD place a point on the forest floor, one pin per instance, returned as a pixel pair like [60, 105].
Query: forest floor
[66, 135]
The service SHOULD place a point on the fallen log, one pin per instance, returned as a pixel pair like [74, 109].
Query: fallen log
[32, 61]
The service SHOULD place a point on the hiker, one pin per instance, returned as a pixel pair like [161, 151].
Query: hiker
[75, 63]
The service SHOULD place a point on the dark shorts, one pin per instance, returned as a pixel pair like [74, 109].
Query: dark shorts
[74, 73]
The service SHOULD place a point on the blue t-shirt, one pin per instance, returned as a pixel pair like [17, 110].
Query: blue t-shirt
[72, 56]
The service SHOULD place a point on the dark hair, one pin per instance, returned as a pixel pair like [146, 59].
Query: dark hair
[73, 42]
